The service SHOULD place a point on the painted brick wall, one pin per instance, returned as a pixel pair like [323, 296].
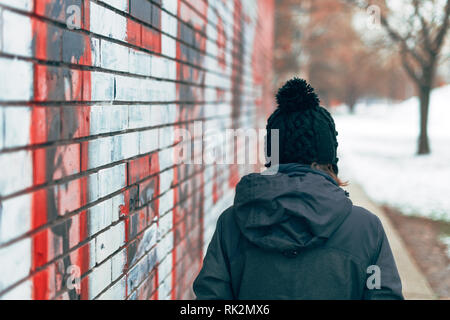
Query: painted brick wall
[89, 183]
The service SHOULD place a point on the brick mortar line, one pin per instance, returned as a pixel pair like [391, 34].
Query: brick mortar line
[174, 266]
[89, 271]
[26, 103]
[82, 174]
[70, 215]
[86, 241]
[122, 42]
[82, 67]
[85, 173]
[127, 15]
[63, 142]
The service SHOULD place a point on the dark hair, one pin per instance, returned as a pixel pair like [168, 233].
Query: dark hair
[328, 168]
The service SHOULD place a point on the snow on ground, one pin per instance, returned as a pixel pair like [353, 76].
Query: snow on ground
[377, 149]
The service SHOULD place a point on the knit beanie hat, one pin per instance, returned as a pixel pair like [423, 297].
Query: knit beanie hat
[307, 131]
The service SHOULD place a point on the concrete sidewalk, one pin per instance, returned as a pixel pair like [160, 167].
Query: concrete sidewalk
[415, 285]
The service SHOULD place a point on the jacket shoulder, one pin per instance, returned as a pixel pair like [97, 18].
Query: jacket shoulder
[360, 234]
[226, 215]
[365, 218]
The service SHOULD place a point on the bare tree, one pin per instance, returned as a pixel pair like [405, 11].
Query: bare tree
[419, 35]
[316, 39]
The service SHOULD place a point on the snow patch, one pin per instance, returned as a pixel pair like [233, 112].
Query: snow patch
[377, 149]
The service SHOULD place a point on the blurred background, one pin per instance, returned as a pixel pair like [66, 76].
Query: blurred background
[383, 69]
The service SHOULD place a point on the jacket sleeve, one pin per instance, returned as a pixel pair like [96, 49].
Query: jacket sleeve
[390, 286]
[214, 281]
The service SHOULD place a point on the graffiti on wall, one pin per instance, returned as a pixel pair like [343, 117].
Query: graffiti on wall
[111, 214]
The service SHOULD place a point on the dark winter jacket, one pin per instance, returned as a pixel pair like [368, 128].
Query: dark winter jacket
[296, 235]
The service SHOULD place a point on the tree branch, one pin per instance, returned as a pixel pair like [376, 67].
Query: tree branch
[425, 31]
[439, 40]
[396, 37]
[409, 69]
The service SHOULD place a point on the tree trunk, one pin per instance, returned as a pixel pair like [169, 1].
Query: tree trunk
[351, 99]
[424, 95]
[351, 108]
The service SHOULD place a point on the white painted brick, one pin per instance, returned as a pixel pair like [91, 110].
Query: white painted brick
[127, 89]
[168, 46]
[109, 241]
[93, 187]
[119, 180]
[139, 62]
[118, 261]
[117, 202]
[96, 52]
[99, 279]
[165, 245]
[22, 292]
[165, 222]
[99, 151]
[111, 180]
[171, 70]
[159, 67]
[97, 125]
[169, 24]
[102, 86]
[166, 158]
[164, 117]
[100, 217]
[171, 112]
[150, 237]
[210, 95]
[170, 5]
[17, 38]
[155, 115]
[16, 80]
[119, 117]
[122, 5]
[165, 268]
[16, 122]
[2, 127]
[165, 288]
[166, 202]
[108, 118]
[107, 23]
[166, 137]
[147, 89]
[15, 216]
[168, 93]
[114, 56]
[16, 172]
[130, 145]
[143, 90]
[165, 180]
[148, 141]
[91, 254]
[139, 116]
[115, 292]
[117, 153]
[15, 262]
[25, 5]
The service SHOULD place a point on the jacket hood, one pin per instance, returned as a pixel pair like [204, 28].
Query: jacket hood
[296, 208]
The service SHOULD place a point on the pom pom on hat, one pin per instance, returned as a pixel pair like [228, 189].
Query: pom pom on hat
[297, 95]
